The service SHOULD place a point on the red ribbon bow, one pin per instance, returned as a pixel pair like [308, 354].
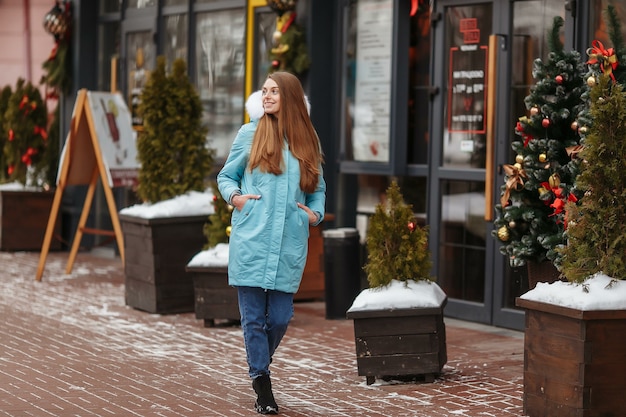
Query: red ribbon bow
[607, 59]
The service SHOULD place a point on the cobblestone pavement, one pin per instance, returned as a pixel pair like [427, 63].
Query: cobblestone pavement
[69, 346]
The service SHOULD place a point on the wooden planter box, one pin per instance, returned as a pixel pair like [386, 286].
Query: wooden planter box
[157, 252]
[574, 361]
[400, 343]
[214, 298]
[24, 216]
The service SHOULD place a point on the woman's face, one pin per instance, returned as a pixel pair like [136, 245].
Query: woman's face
[271, 97]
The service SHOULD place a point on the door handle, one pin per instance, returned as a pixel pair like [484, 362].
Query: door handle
[489, 139]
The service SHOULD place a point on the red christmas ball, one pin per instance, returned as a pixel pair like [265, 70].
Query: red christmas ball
[11, 135]
[545, 123]
[559, 79]
[10, 169]
[411, 226]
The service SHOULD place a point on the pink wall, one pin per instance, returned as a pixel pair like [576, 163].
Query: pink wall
[22, 52]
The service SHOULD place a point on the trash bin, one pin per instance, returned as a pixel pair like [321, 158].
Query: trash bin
[342, 270]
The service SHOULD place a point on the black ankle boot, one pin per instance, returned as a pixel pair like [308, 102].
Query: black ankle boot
[265, 403]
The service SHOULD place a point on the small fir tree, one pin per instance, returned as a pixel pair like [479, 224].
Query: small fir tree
[172, 149]
[596, 230]
[397, 247]
[530, 216]
[25, 121]
[217, 230]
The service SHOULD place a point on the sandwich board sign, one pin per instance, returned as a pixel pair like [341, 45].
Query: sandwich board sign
[100, 146]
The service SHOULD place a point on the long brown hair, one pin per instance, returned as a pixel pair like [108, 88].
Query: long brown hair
[293, 123]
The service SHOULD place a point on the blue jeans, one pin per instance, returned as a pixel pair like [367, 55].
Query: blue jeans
[265, 315]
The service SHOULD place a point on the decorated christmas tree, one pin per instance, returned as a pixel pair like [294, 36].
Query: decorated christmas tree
[397, 246]
[4, 103]
[172, 149]
[530, 217]
[25, 122]
[217, 230]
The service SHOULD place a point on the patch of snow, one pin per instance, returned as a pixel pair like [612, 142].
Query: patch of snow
[215, 256]
[18, 186]
[399, 294]
[599, 292]
[193, 203]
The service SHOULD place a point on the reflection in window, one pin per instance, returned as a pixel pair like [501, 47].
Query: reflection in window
[368, 81]
[110, 6]
[175, 2]
[220, 52]
[109, 47]
[598, 25]
[265, 27]
[140, 61]
[419, 88]
[141, 4]
[462, 238]
[175, 45]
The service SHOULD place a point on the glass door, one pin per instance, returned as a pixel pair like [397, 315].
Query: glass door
[483, 57]
[460, 154]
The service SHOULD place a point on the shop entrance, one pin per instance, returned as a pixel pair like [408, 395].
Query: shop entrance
[483, 54]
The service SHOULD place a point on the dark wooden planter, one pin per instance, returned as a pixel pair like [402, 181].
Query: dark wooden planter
[24, 216]
[400, 343]
[574, 361]
[157, 252]
[214, 298]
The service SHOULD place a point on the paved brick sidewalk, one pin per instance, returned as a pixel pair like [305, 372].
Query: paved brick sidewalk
[70, 347]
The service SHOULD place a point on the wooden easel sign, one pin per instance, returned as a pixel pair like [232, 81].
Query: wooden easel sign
[100, 145]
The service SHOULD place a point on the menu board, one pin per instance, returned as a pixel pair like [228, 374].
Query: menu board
[372, 111]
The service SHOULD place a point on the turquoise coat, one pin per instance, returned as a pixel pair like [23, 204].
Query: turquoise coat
[269, 237]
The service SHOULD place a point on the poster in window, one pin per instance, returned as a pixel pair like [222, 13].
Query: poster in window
[372, 108]
[468, 71]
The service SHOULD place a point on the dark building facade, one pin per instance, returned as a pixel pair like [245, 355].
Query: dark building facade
[427, 93]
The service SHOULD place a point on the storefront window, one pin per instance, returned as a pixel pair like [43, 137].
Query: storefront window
[599, 29]
[368, 81]
[175, 45]
[110, 6]
[175, 2]
[141, 4]
[467, 43]
[220, 71]
[419, 85]
[109, 48]
[140, 63]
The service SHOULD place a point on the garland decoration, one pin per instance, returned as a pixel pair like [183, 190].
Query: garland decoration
[57, 77]
[289, 51]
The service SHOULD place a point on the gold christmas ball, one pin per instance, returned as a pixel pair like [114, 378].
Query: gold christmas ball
[503, 234]
[228, 229]
[519, 159]
[591, 81]
[231, 208]
[543, 157]
[554, 180]
[534, 111]
[517, 165]
[582, 130]
[542, 191]
[574, 125]
[512, 224]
